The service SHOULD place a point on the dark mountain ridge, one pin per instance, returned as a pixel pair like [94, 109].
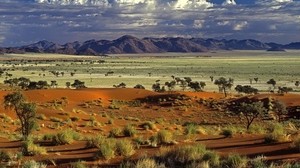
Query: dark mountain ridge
[130, 44]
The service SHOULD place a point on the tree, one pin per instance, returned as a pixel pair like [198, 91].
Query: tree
[170, 85]
[279, 110]
[197, 86]
[53, 84]
[224, 84]
[246, 89]
[297, 83]
[78, 84]
[283, 90]
[139, 86]
[25, 111]
[211, 78]
[256, 80]
[183, 84]
[251, 111]
[68, 84]
[121, 85]
[272, 82]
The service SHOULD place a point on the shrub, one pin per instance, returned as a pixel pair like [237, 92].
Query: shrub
[129, 131]
[227, 133]
[148, 163]
[78, 164]
[107, 149]
[66, 137]
[164, 137]
[95, 142]
[115, 132]
[33, 164]
[110, 121]
[125, 148]
[235, 161]
[74, 119]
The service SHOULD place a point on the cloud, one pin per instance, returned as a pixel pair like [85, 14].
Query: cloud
[78, 20]
[229, 2]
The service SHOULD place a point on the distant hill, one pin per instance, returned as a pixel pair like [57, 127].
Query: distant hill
[129, 44]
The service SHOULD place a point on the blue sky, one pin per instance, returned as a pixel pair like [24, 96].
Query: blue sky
[27, 21]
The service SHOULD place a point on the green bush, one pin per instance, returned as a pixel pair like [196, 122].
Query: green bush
[125, 148]
[164, 137]
[33, 164]
[227, 133]
[235, 161]
[129, 131]
[54, 119]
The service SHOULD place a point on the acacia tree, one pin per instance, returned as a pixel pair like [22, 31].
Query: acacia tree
[25, 111]
[224, 84]
[251, 111]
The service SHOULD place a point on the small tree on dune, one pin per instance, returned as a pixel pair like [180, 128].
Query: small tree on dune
[251, 111]
[26, 112]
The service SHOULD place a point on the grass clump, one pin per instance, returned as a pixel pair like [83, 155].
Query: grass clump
[67, 136]
[235, 161]
[107, 149]
[115, 132]
[54, 119]
[164, 137]
[212, 158]
[125, 148]
[149, 125]
[33, 164]
[148, 163]
[191, 129]
[95, 142]
[41, 117]
[277, 134]
[32, 149]
[257, 129]
[78, 164]
[129, 131]
[258, 162]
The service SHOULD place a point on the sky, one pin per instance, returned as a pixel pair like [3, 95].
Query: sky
[27, 21]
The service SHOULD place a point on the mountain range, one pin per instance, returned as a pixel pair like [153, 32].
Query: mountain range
[130, 44]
